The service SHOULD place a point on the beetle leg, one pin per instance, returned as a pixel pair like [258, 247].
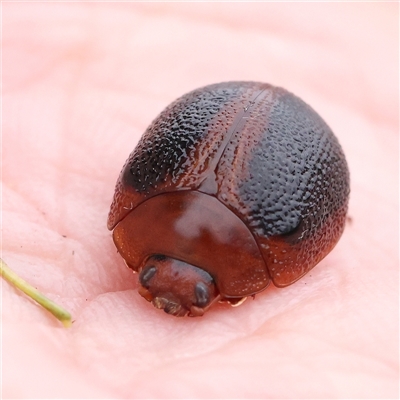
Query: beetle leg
[237, 303]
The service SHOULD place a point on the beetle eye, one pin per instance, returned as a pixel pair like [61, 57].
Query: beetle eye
[146, 275]
[202, 294]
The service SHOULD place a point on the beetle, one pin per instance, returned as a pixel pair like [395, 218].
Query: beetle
[232, 186]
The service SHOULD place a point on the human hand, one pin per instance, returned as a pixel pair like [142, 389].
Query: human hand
[81, 82]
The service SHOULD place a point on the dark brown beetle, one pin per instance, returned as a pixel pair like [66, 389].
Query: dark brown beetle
[233, 185]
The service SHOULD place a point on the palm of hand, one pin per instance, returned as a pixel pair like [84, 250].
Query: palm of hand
[71, 116]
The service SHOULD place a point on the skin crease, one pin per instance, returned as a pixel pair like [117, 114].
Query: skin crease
[81, 82]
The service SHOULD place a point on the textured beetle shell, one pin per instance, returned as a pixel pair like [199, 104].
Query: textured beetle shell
[263, 153]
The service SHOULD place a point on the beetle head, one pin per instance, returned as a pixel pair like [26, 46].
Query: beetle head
[176, 287]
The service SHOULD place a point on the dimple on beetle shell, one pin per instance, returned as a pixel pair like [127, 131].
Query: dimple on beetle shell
[247, 156]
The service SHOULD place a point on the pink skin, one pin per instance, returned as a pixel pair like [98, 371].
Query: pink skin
[80, 83]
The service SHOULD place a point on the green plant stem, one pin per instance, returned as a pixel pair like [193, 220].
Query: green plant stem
[60, 313]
